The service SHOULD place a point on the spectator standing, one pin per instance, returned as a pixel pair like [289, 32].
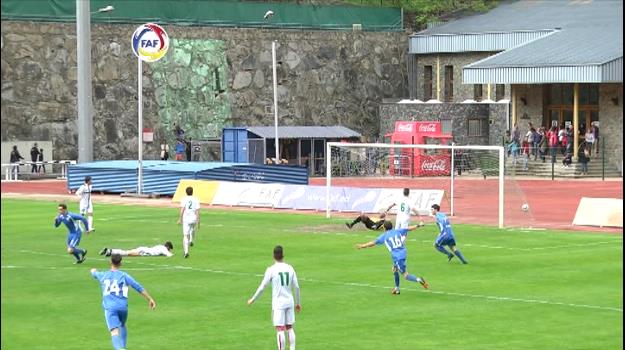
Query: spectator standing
[530, 140]
[34, 156]
[42, 167]
[552, 138]
[188, 149]
[595, 132]
[180, 150]
[15, 158]
[582, 158]
[562, 139]
[569, 139]
[525, 152]
[516, 134]
[164, 151]
[589, 137]
[542, 144]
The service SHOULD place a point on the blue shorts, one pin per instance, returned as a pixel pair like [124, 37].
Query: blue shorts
[73, 239]
[115, 318]
[400, 265]
[445, 240]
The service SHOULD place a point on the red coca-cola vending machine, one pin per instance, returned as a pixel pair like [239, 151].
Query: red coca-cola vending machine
[419, 162]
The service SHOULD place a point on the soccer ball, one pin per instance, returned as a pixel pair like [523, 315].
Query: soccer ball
[525, 207]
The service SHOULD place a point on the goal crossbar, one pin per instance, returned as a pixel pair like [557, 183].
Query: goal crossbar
[499, 149]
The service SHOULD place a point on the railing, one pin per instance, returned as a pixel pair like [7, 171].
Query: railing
[12, 169]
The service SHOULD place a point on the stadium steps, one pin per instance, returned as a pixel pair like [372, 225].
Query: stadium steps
[539, 169]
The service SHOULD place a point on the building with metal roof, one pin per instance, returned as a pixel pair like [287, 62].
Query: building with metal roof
[298, 145]
[558, 62]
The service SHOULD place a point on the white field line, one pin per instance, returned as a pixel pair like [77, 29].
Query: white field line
[349, 284]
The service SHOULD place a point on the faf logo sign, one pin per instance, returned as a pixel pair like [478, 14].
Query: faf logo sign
[150, 42]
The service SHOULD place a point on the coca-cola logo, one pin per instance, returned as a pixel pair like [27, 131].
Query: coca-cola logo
[427, 127]
[404, 127]
[434, 165]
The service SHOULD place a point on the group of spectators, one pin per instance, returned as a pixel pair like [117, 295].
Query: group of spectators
[36, 155]
[537, 141]
[182, 148]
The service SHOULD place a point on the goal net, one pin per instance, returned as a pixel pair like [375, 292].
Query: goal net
[468, 182]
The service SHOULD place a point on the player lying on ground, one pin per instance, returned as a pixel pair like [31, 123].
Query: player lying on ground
[368, 222]
[74, 233]
[395, 241]
[157, 250]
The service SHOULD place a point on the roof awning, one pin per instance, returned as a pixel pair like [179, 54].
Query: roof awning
[304, 132]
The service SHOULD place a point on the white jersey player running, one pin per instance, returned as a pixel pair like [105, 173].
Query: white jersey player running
[404, 210]
[283, 280]
[190, 219]
[86, 205]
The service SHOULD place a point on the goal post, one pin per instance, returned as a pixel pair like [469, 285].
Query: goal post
[388, 161]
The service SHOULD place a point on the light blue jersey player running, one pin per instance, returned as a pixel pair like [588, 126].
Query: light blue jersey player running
[446, 235]
[395, 241]
[75, 233]
[114, 284]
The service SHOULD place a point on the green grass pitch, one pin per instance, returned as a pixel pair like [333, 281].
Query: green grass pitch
[522, 290]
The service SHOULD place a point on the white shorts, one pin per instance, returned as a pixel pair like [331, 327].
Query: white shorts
[188, 228]
[84, 209]
[283, 317]
[402, 224]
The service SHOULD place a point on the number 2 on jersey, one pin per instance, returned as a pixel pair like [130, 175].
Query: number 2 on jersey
[284, 278]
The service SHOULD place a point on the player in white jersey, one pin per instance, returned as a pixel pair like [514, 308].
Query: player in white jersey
[157, 250]
[86, 205]
[190, 219]
[283, 279]
[404, 209]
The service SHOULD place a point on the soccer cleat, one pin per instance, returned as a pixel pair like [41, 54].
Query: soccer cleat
[349, 226]
[395, 291]
[83, 257]
[104, 251]
[449, 257]
[424, 283]
[186, 255]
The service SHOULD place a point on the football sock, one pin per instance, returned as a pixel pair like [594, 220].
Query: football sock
[280, 340]
[291, 339]
[413, 278]
[119, 251]
[396, 275]
[117, 342]
[460, 256]
[442, 249]
[185, 244]
[124, 334]
[357, 220]
[90, 221]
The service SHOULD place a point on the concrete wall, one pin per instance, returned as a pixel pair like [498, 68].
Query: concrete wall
[326, 78]
[611, 122]
[459, 113]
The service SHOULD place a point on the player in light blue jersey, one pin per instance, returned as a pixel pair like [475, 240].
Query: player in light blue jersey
[446, 235]
[114, 284]
[395, 241]
[75, 233]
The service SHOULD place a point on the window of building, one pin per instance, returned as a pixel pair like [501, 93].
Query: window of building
[500, 92]
[477, 127]
[427, 83]
[446, 126]
[477, 92]
[449, 83]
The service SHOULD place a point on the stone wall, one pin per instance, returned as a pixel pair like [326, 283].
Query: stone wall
[461, 91]
[530, 111]
[611, 122]
[326, 78]
[494, 116]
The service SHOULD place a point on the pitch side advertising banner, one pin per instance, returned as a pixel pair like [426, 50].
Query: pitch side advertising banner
[421, 200]
[341, 198]
[248, 194]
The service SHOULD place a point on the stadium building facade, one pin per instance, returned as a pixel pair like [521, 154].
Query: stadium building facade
[545, 62]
